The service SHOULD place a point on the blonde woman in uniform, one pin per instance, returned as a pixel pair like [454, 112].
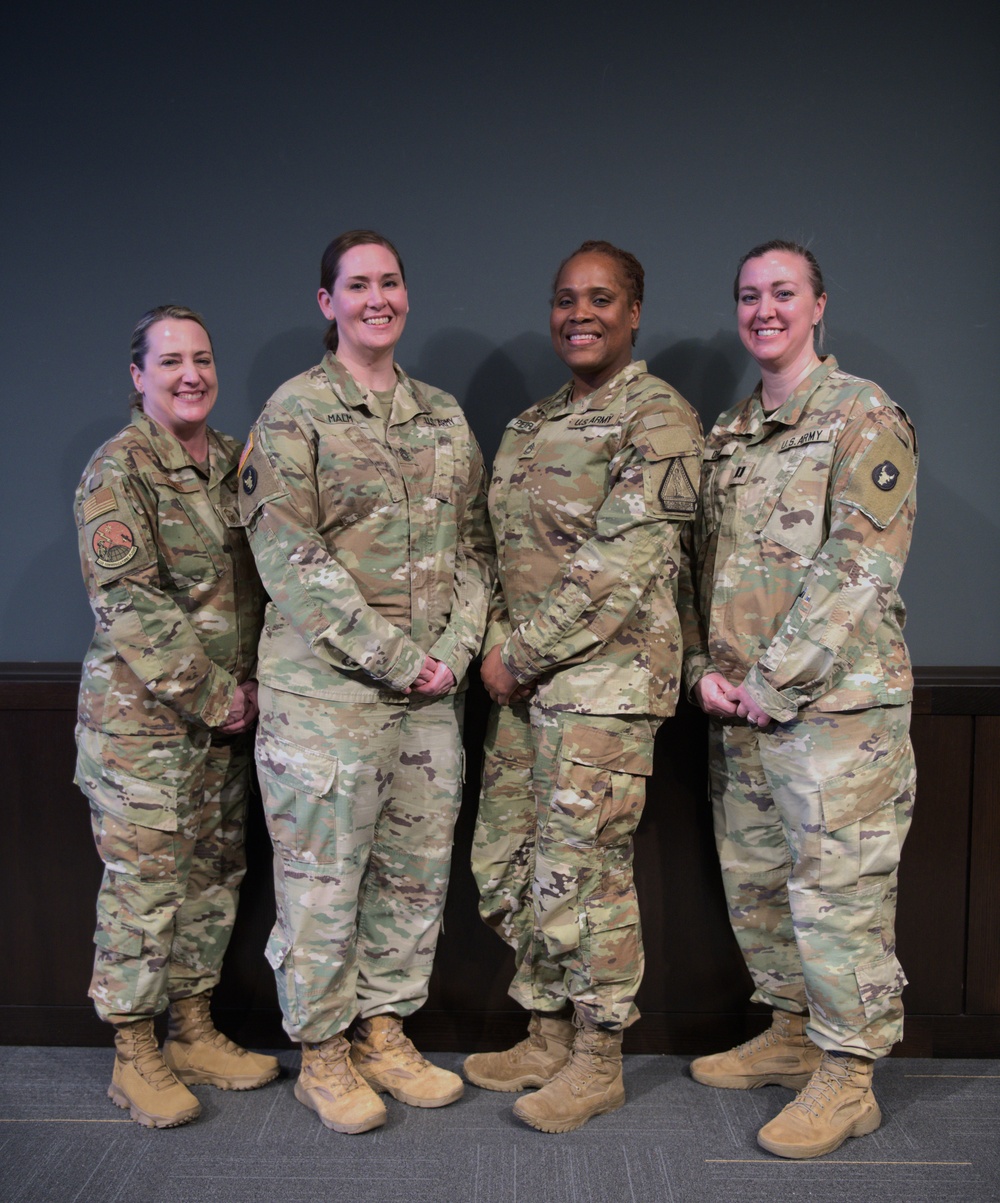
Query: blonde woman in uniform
[796, 651]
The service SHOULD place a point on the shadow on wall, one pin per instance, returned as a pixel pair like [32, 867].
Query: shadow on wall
[279, 359]
[706, 372]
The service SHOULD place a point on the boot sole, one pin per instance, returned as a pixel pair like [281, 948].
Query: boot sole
[197, 1077]
[121, 1099]
[413, 1100]
[374, 1121]
[510, 1085]
[570, 1125]
[737, 1082]
[862, 1126]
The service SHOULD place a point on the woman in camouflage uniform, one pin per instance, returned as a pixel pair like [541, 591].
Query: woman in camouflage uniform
[796, 651]
[167, 701]
[592, 493]
[363, 492]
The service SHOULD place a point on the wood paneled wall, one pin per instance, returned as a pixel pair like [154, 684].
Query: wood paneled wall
[694, 996]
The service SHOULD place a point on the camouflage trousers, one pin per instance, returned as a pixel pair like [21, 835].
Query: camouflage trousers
[561, 798]
[810, 817]
[361, 800]
[168, 819]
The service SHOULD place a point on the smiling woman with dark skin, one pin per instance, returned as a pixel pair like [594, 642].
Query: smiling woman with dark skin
[795, 649]
[592, 492]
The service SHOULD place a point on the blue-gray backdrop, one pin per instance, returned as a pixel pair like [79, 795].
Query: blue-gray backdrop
[205, 154]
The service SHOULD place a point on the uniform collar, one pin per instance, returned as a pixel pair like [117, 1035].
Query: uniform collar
[168, 450]
[600, 398]
[751, 419]
[406, 404]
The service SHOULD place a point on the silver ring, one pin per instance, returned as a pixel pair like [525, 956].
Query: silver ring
[751, 720]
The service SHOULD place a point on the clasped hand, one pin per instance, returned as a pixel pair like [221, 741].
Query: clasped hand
[717, 697]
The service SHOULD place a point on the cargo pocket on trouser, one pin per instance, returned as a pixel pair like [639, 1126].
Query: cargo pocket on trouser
[611, 958]
[880, 984]
[135, 786]
[317, 876]
[861, 837]
[503, 845]
[585, 848]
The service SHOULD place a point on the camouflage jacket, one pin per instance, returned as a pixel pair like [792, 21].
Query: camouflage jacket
[171, 581]
[374, 547]
[801, 539]
[589, 501]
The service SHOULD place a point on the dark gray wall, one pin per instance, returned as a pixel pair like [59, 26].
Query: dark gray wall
[206, 155]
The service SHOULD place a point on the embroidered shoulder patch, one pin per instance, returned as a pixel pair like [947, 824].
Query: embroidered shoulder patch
[678, 494]
[101, 502]
[882, 480]
[114, 544]
[246, 451]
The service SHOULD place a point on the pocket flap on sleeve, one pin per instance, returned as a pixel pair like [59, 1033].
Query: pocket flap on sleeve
[666, 441]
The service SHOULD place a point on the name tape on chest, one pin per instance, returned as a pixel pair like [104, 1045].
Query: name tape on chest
[522, 426]
[594, 420]
[820, 434]
[340, 417]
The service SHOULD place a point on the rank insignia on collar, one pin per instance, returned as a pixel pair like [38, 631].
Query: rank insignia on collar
[113, 544]
[249, 479]
[885, 475]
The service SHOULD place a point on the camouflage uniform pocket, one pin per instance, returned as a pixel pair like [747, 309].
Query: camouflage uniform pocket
[300, 806]
[129, 777]
[597, 800]
[189, 563]
[879, 984]
[277, 949]
[860, 839]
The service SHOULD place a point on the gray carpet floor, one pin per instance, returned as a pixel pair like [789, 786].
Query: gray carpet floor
[61, 1139]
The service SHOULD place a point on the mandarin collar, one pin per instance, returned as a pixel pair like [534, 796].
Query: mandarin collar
[600, 398]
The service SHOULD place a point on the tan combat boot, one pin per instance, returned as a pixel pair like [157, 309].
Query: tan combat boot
[533, 1061]
[196, 1052]
[837, 1103]
[782, 1056]
[142, 1084]
[333, 1088]
[385, 1057]
[589, 1084]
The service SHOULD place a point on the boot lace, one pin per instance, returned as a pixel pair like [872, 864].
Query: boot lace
[204, 1030]
[335, 1063]
[148, 1061]
[824, 1086]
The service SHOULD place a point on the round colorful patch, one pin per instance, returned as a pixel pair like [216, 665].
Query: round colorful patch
[249, 479]
[114, 544]
[885, 476]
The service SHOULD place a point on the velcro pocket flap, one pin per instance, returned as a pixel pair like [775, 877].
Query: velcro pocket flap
[597, 747]
[301, 769]
[855, 795]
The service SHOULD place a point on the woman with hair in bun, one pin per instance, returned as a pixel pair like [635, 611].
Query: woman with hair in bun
[795, 649]
[168, 701]
[363, 494]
